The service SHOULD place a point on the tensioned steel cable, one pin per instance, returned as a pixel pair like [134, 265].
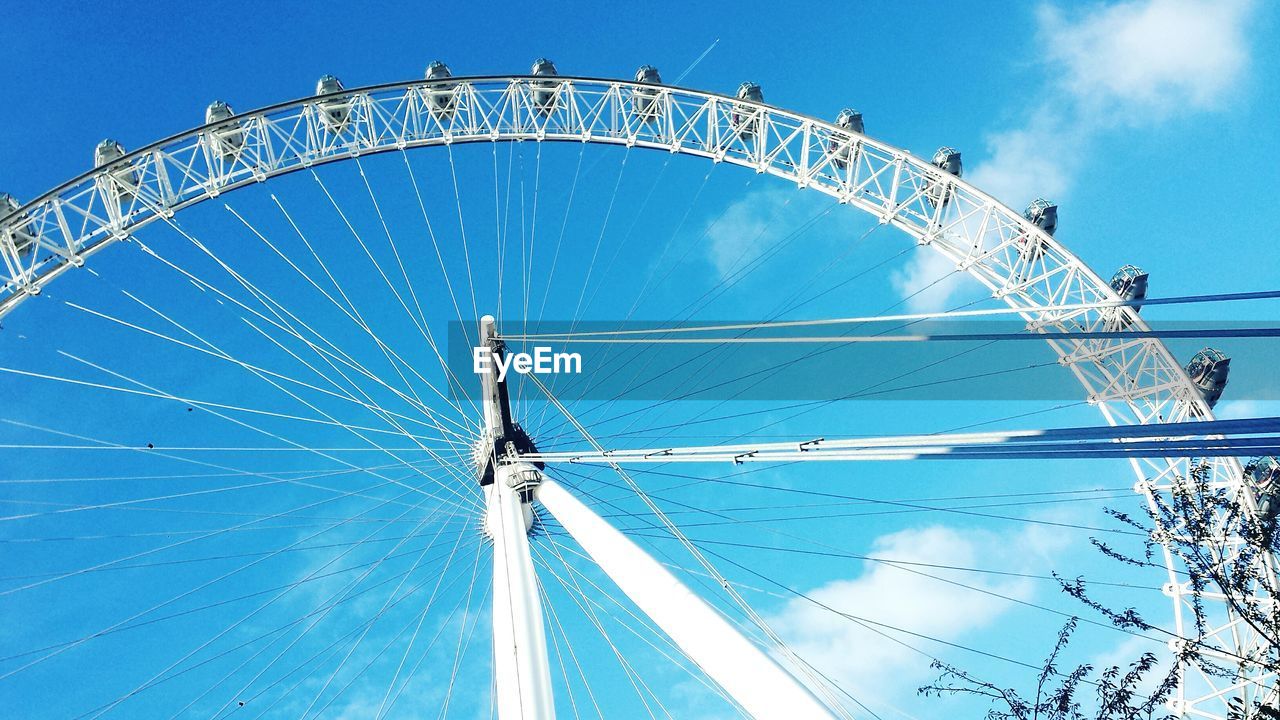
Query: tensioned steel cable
[1177, 300]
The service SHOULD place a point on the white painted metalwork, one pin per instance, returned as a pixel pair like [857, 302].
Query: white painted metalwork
[1132, 381]
[522, 674]
[761, 686]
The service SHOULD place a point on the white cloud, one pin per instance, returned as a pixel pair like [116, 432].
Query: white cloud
[870, 665]
[929, 274]
[748, 227]
[1151, 57]
[1245, 409]
[1028, 162]
[1130, 64]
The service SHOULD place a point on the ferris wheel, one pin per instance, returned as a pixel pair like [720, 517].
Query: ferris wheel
[307, 494]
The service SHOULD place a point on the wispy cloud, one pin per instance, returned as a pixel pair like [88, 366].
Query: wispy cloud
[870, 664]
[1143, 60]
[1123, 66]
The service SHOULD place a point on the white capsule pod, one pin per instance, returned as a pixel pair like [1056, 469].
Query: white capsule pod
[844, 153]
[1130, 283]
[647, 103]
[1263, 474]
[335, 112]
[545, 92]
[442, 99]
[126, 178]
[1208, 370]
[746, 119]
[23, 235]
[948, 160]
[1044, 215]
[227, 139]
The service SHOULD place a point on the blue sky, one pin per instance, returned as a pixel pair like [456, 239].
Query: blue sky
[1151, 122]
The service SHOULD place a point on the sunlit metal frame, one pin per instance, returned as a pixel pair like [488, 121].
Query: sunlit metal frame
[1131, 381]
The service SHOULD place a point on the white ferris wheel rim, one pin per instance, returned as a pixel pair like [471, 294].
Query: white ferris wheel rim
[1131, 381]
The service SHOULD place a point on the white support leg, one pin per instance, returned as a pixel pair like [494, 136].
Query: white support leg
[523, 678]
[752, 678]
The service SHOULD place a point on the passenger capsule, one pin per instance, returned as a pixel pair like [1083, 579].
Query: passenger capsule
[1043, 214]
[227, 140]
[107, 151]
[1264, 474]
[441, 96]
[336, 112]
[1130, 283]
[646, 103]
[23, 238]
[947, 160]
[745, 118]
[544, 91]
[126, 178]
[843, 153]
[1208, 370]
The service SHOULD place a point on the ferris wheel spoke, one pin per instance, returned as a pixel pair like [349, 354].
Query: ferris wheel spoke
[343, 596]
[645, 287]
[293, 395]
[281, 324]
[133, 625]
[578, 596]
[527, 251]
[464, 603]
[579, 308]
[337, 495]
[197, 403]
[322, 453]
[347, 594]
[809, 406]
[160, 676]
[365, 632]
[607, 356]
[398, 363]
[465, 636]
[231, 471]
[775, 642]
[368, 403]
[61, 648]
[421, 326]
[462, 232]
[908, 507]
[668, 650]
[555, 632]
[564, 225]
[384, 705]
[555, 256]
[435, 245]
[212, 351]
[393, 419]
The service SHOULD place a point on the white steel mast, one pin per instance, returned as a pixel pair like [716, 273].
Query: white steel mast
[521, 673]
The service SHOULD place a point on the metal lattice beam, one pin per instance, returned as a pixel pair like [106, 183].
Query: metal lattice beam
[1130, 381]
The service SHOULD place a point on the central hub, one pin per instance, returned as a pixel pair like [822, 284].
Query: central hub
[504, 441]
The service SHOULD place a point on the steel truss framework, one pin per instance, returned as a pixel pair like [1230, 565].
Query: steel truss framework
[1131, 381]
